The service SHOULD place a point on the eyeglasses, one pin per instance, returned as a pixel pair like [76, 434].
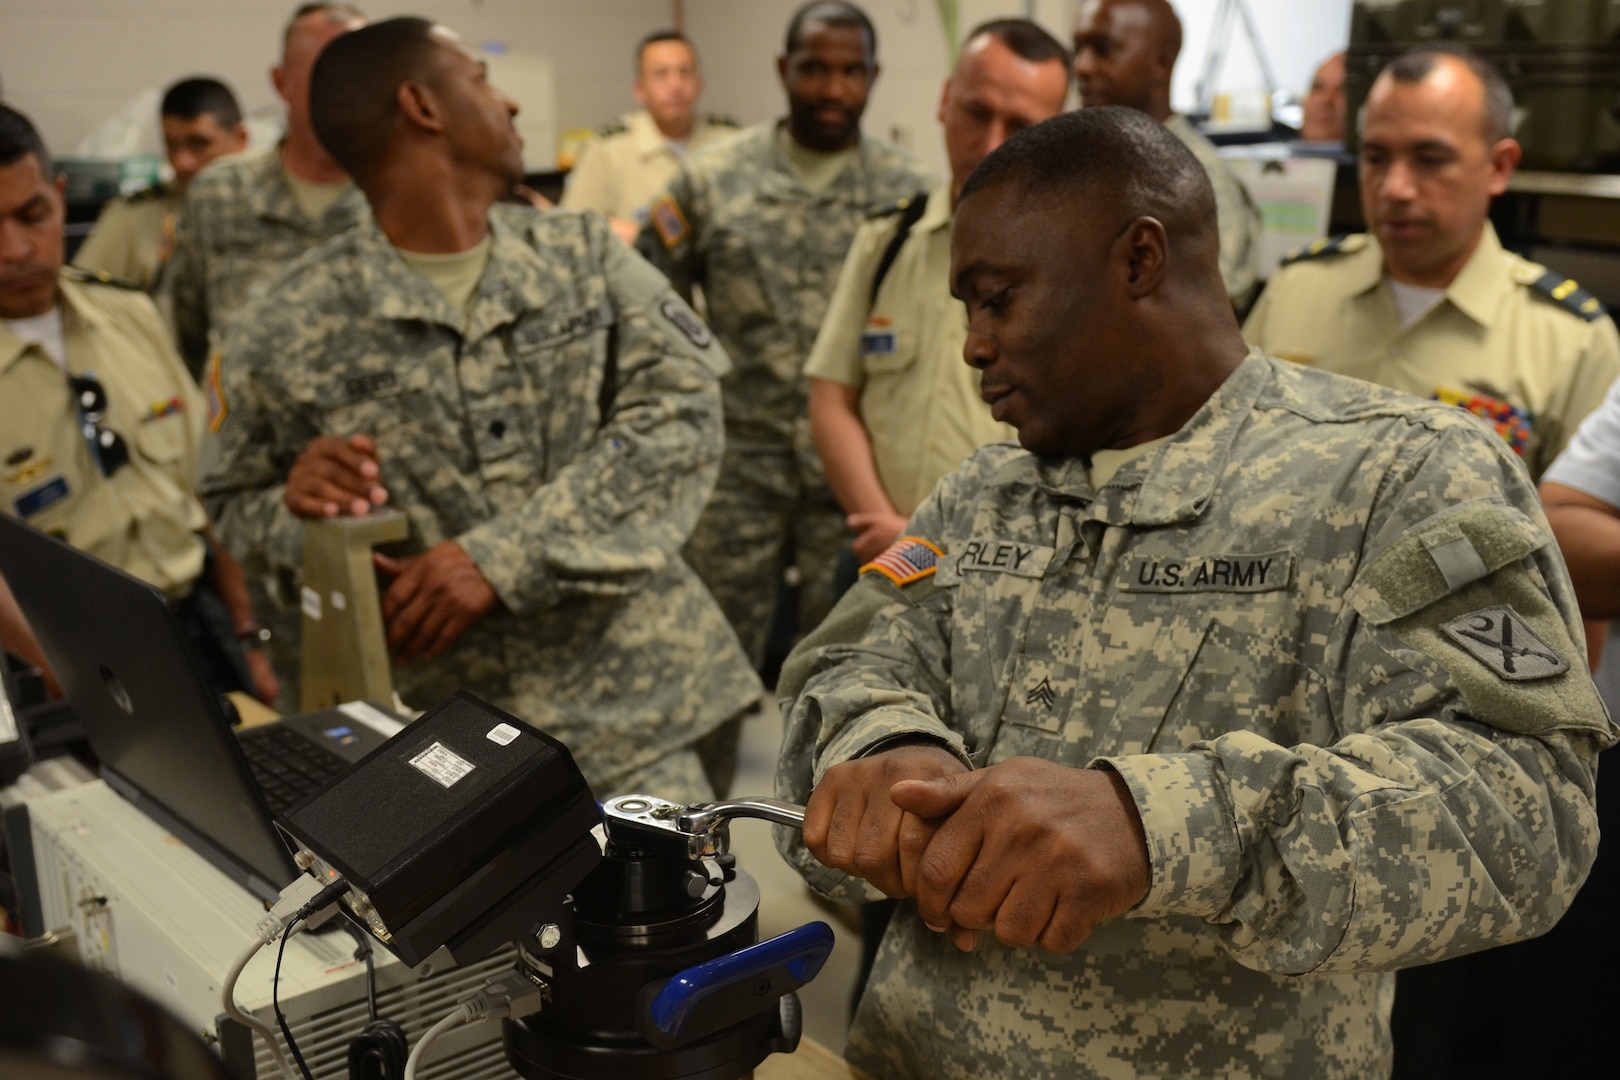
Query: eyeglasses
[106, 446]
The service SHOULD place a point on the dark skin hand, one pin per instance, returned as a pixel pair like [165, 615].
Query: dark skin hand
[851, 825]
[1037, 852]
[434, 598]
[335, 476]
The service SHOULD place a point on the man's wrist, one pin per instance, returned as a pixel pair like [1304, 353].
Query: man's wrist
[253, 634]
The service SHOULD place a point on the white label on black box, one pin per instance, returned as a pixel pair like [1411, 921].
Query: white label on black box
[502, 734]
[438, 762]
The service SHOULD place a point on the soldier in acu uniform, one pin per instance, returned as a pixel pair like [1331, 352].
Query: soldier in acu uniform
[762, 223]
[534, 397]
[1429, 302]
[1230, 693]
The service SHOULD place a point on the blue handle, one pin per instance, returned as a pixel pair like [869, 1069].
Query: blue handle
[787, 961]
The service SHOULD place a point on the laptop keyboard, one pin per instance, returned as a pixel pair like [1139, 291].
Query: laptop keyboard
[287, 765]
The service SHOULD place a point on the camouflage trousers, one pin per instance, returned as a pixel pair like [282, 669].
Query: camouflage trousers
[762, 521]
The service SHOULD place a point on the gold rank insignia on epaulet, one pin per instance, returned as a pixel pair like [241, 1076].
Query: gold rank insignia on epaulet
[1327, 245]
[715, 119]
[1566, 294]
[98, 277]
[891, 209]
[607, 131]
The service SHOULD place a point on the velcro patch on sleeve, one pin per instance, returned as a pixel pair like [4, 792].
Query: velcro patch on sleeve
[908, 559]
[669, 221]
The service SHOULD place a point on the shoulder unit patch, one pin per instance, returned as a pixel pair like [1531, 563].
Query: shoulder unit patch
[908, 559]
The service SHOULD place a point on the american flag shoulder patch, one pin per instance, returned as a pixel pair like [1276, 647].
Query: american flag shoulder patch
[908, 559]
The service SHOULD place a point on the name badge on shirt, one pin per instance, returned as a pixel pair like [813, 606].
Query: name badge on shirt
[1207, 573]
[878, 338]
[1004, 557]
[40, 498]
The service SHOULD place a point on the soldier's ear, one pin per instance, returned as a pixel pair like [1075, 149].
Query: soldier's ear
[419, 105]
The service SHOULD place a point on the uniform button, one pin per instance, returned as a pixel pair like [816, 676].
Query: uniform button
[497, 428]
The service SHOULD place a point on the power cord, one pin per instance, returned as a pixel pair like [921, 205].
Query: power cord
[380, 1051]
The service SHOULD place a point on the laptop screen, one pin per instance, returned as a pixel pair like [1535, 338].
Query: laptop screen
[158, 728]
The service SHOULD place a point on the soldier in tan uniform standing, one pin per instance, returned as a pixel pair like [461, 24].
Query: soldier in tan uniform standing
[1124, 54]
[100, 426]
[892, 406]
[134, 236]
[629, 162]
[1429, 302]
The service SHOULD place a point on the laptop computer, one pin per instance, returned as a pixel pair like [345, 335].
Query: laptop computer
[160, 730]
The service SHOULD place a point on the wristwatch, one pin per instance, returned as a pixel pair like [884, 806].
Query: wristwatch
[253, 635]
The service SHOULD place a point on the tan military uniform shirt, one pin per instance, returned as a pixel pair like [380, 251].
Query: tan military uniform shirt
[241, 224]
[628, 163]
[1235, 213]
[134, 236]
[919, 401]
[144, 518]
[1495, 339]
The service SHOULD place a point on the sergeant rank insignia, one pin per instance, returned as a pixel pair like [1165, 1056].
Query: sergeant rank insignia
[910, 558]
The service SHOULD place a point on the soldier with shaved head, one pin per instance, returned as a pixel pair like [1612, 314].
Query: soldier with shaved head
[1181, 726]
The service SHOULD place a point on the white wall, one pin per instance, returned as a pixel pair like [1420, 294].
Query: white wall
[69, 63]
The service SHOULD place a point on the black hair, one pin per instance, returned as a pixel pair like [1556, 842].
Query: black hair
[661, 35]
[19, 138]
[1110, 148]
[830, 13]
[191, 98]
[1417, 64]
[353, 83]
[1025, 39]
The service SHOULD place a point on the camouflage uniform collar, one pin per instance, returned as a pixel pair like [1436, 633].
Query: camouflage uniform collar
[271, 198]
[854, 175]
[1175, 482]
[395, 291]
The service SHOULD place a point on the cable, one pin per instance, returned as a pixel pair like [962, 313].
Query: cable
[378, 1052]
[508, 994]
[305, 901]
[463, 1015]
[275, 1004]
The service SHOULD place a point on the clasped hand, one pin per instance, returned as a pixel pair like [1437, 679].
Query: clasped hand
[1036, 852]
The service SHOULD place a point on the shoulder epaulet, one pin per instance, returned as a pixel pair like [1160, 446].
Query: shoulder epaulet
[720, 120]
[606, 131]
[899, 206]
[1566, 294]
[151, 191]
[98, 277]
[1327, 245]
